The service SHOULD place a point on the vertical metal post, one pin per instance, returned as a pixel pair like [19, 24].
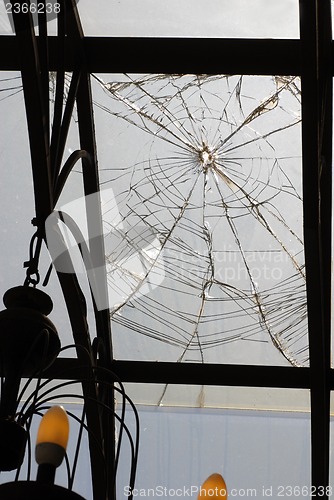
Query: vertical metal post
[316, 39]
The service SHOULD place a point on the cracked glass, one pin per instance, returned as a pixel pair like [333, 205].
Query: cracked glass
[203, 231]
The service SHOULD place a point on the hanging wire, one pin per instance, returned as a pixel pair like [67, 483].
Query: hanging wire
[41, 395]
[133, 445]
[68, 469]
[49, 380]
[28, 423]
[29, 458]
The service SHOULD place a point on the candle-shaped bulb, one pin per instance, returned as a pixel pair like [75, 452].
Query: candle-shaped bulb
[213, 487]
[52, 437]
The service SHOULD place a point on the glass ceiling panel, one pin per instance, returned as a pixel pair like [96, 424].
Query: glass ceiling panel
[259, 454]
[254, 450]
[16, 194]
[201, 182]
[209, 396]
[5, 25]
[189, 18]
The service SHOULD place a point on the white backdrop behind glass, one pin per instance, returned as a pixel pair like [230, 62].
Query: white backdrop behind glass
[189, 18]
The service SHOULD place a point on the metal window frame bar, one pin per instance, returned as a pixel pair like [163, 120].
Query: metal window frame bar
[176, 55]
[311, 57]
[316, 84]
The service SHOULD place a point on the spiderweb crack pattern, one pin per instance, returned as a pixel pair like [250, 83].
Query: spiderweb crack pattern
[217, 177]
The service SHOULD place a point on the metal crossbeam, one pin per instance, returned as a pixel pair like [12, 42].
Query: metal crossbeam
[176, 55]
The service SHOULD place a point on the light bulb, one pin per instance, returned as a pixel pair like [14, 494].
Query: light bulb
[52, 437]
[213, 487]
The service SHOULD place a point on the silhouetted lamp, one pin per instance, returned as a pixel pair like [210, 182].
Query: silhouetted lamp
[50, 450]
[213, 487]
[28, 343]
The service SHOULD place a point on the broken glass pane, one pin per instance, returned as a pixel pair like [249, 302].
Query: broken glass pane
[204, 226]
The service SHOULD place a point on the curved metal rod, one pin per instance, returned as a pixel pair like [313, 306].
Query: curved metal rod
[133, 446]
[67, 169]
[84, 251]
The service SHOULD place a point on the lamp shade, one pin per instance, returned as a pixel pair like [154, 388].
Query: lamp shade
[27, 335]
[213, 487]
[52, 437]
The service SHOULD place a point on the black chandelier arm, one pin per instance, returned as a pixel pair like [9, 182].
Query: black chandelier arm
[102, 377]
[125, 398]
[60, 130]
[44, 62]
[77, 448]
[60, 87]
[90, 433]
[134, 444]
[67, 169]
[87, 259]
[76, 306]
[73, 298]
[22, 414]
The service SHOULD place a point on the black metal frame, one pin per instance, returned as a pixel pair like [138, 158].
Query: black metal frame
[311, 57]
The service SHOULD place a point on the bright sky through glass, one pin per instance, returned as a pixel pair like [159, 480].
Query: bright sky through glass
[189, 18]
